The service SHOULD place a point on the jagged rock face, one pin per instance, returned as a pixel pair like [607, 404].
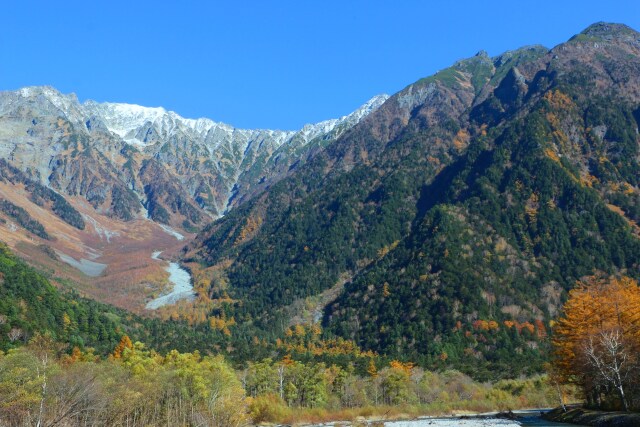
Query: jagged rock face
[125, 158]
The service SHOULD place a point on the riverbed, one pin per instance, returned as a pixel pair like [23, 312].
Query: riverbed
[527, 418]
[453, 422]
[478, 422]
[182, 286]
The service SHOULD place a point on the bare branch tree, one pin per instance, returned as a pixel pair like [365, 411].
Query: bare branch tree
[607, 352]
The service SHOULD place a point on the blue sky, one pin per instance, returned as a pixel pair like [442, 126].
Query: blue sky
[268, 64]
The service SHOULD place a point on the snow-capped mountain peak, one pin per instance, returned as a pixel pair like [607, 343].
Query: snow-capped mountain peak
[125, 120]
[182, 170]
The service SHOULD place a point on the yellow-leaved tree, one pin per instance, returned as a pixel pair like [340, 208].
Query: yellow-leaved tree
[597, 340]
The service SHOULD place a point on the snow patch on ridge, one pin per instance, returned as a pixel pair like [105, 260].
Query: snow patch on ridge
[125, 120]
[122, 119]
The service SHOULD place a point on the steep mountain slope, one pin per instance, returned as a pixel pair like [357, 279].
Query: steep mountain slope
[118, 156]
[106, 185]
[452, 219]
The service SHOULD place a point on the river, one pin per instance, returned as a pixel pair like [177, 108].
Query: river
[525, 418]
[182, 287]
[471, 422]
[532, 418]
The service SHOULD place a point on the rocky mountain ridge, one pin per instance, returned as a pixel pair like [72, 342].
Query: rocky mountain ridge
[182, 171]
[89, 191]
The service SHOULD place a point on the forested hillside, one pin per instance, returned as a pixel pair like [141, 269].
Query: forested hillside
[70, 361]
[30, 305]
[451, 221]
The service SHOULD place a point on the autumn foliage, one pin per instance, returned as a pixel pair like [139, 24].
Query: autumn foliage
[125, 343]
[597, 341]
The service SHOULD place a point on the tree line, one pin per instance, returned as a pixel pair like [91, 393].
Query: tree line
[46, 384]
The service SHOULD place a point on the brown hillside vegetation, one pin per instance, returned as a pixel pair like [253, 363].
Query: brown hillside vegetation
[130, 277]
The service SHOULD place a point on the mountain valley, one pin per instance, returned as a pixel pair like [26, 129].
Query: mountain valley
[443, 225]
[108, 184]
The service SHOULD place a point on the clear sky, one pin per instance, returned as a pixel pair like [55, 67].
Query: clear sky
[268, 64]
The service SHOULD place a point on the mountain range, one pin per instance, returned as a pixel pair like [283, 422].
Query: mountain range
[121, 167]
[139, 153]
[443, 224]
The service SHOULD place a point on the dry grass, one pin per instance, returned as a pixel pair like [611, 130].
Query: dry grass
[131, 277]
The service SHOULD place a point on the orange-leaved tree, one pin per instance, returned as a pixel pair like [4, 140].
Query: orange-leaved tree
[125, 342]
[597, 340]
